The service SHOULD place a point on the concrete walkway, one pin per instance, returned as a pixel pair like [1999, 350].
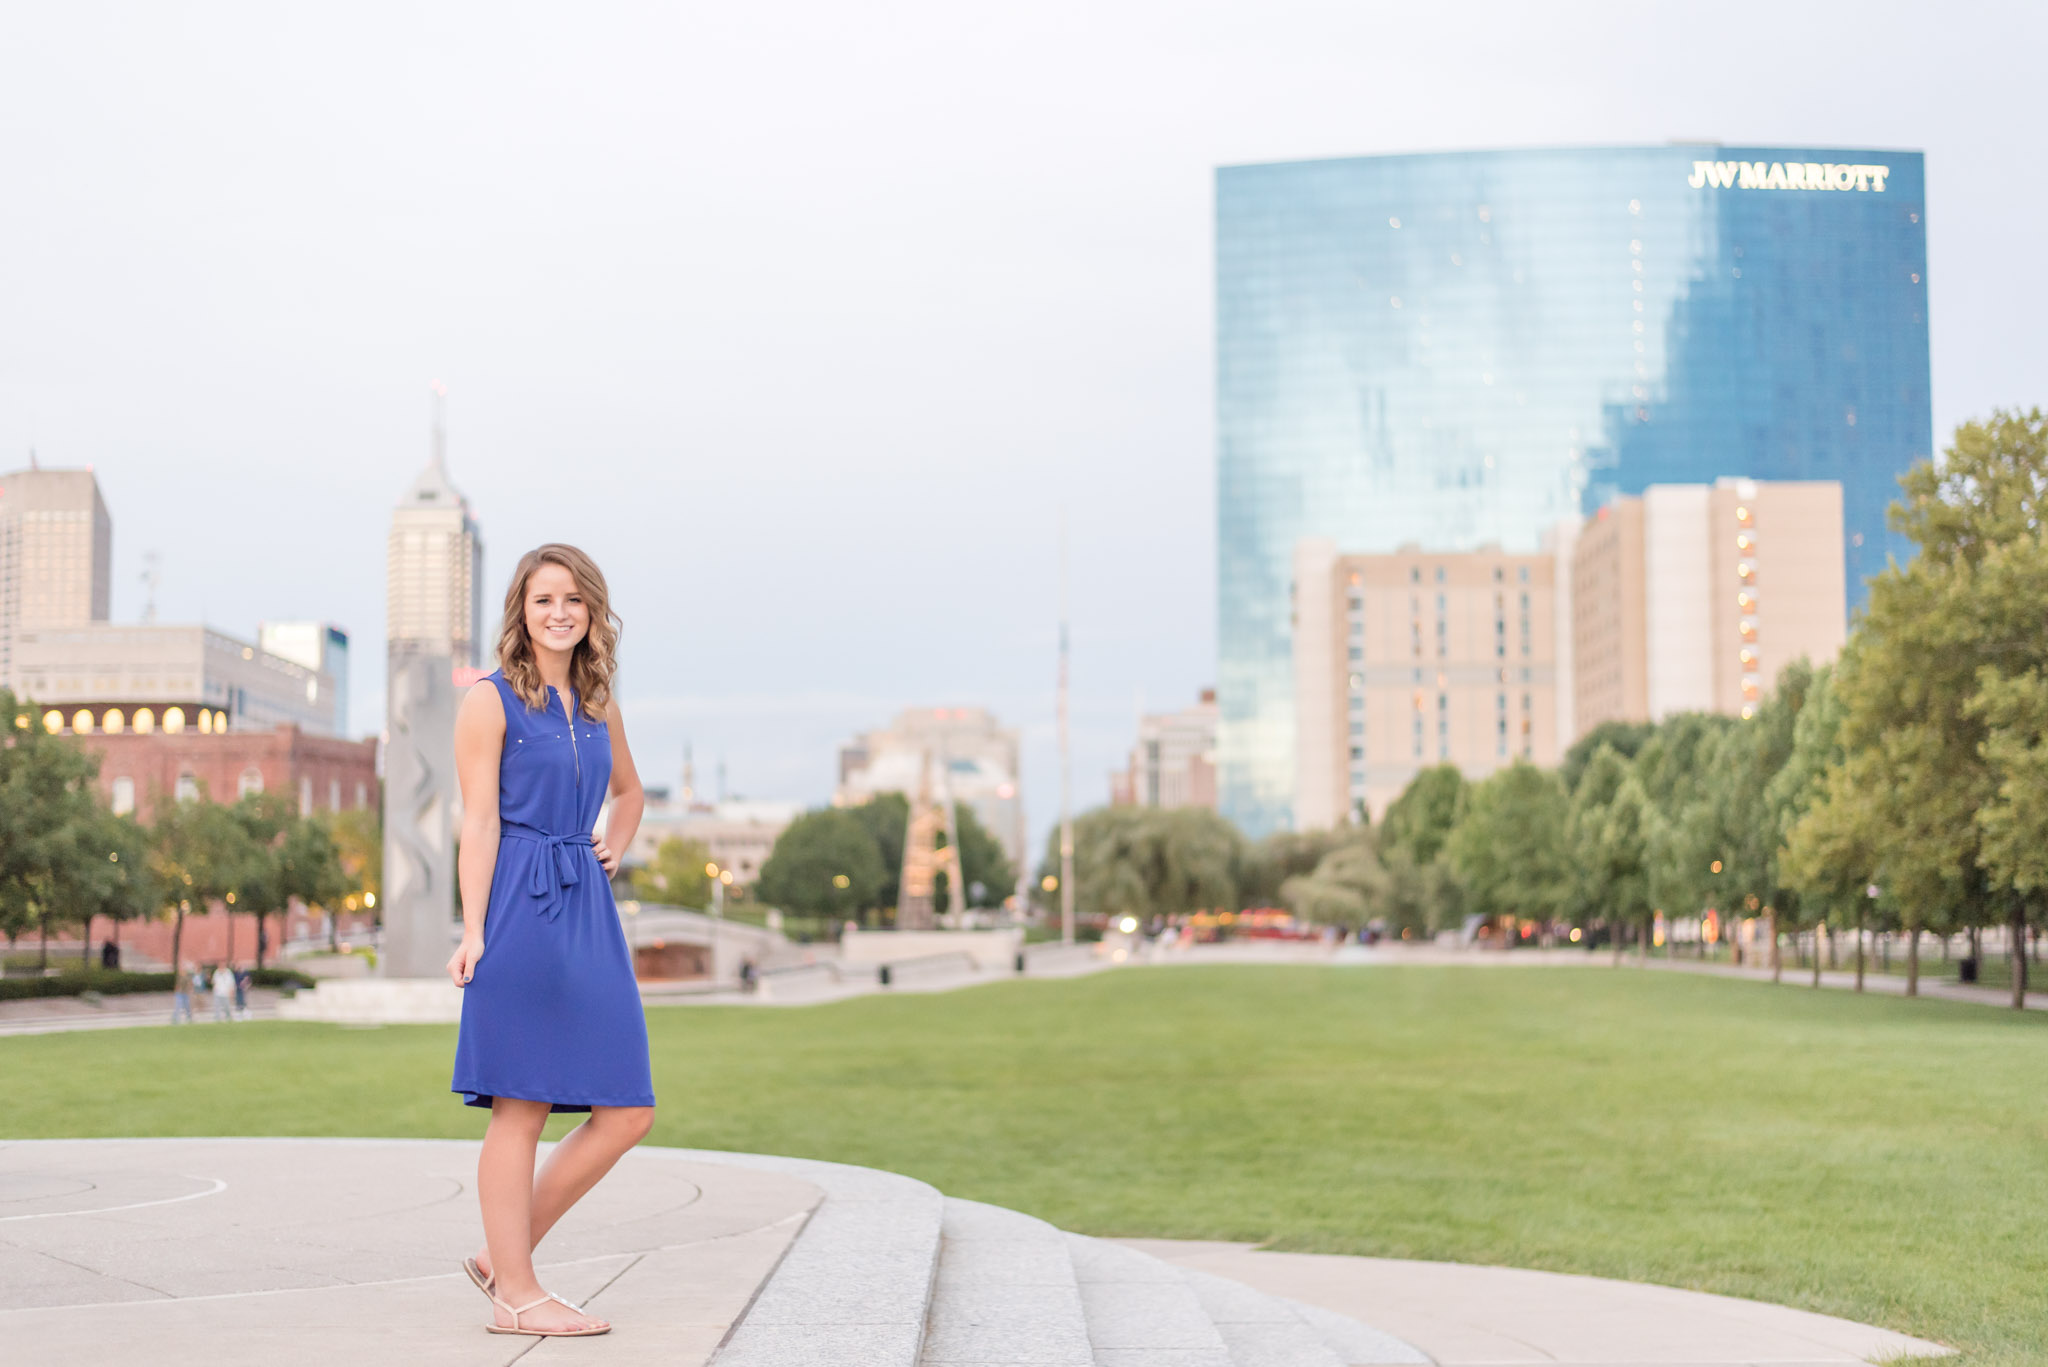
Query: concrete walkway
[1468, 1316]
[215, 1252]
[314, 1252]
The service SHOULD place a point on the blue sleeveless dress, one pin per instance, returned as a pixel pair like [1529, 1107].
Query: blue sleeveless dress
[552, 1012]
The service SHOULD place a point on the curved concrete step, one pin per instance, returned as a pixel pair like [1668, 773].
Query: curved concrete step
[1356, 1344]
[1145, 1312]
[1141, 1312]
[1005, 1294]
[1260, 1330]
[855, 1286]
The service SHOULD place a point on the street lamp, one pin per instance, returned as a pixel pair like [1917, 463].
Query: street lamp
[719, 878]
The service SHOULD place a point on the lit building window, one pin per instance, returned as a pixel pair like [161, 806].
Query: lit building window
[122, 798]
[174, 720]
[81, 722]
[145, 721]
[113, 722]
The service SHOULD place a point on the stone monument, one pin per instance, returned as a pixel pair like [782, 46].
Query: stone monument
[420, 797]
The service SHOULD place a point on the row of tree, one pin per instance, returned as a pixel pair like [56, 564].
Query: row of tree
[1915, 768]
[65, 858]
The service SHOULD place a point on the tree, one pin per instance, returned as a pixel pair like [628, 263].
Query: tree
[309, 868]
[1677, 830]
[1267, 864]
[1731, 832]
[1148, 861]
[259, 885]
[45, 791]
[106, 873]
[675, 876]
[1508, 847]
[1420, 898]
[1961, 619]
[1800, 783]
[358, 836]
[201, 852]
[1605, 875]
[1348, 888]
[2015, 822]
[1420, 820]
[823, 864]
[1625, 738]
[982, 860]
[885, 817]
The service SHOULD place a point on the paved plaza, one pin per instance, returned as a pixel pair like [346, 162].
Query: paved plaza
[315, 1252]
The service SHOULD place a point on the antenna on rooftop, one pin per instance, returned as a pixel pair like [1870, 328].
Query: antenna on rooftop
[152, 575]
[1066, 760]
[440, 425]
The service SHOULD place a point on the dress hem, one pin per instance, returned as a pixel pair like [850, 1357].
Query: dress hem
[482, 1099]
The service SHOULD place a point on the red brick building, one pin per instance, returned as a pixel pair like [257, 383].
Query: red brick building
[323, 773]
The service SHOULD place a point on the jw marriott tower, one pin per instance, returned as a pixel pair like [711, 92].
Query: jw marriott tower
[1458, 351]
[434, 569]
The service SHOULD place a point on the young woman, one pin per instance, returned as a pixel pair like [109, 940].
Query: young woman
[551, 1017]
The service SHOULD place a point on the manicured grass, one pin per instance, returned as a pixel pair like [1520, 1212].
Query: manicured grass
[1869, 1156]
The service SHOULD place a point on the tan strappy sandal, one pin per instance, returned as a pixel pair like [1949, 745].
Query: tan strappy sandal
[516, 1311]
[476, 1274]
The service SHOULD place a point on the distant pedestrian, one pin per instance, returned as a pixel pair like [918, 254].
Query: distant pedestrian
[223, 992]
[110, 956]
[183, 984]
[241, 994]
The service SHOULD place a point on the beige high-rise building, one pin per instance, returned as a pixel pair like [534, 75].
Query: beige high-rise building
[56, 557]
[434, 571]
[1174, 762]
[1694, 597]
[1411, 659]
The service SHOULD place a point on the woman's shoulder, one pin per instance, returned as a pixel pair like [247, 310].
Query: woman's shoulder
[483, 702]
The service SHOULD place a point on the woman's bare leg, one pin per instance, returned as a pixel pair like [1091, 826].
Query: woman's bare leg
[504, 1188]
[577, 1164]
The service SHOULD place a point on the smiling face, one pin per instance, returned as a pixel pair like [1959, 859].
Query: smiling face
[556, 615]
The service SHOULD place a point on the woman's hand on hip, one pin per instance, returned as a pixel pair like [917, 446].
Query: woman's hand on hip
[462, 963]
[604, 855]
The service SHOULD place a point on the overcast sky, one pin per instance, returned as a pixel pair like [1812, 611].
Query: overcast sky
[804, 319]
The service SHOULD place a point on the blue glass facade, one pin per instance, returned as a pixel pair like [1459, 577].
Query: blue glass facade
[1463, 348]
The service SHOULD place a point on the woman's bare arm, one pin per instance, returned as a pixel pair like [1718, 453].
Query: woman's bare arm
[479, 743]
[628, 802]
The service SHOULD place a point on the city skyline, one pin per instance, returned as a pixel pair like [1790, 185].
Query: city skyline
[735, 336]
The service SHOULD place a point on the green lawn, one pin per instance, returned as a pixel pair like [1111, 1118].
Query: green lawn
[1866, 1156]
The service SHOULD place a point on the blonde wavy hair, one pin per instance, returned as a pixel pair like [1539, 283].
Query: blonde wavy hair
[595, 660]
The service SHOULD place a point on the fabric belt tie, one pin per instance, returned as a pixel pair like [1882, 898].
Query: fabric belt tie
[557, 867]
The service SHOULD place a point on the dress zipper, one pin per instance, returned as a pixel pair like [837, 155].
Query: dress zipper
[574, 756]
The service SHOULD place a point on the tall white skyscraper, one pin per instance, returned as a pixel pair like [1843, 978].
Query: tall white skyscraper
[56, 555]
[434, 567]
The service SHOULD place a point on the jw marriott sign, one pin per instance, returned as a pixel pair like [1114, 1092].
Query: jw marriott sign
[1786, 175]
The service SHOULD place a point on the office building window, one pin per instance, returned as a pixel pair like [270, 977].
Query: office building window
[122, 800]
[186, 789]
[251, 781]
